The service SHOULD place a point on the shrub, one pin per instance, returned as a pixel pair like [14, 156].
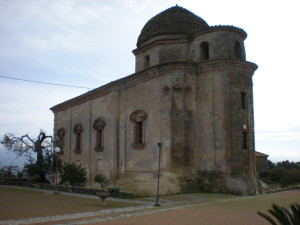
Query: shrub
[265, 174]
[72, 174]
[277, 174]
[285, 176]
[291, 177]
[113, 190]
[101, 179]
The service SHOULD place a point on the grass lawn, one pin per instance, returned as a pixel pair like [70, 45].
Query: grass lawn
[20, 204]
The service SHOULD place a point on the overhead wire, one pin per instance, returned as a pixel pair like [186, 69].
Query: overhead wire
[41, 82]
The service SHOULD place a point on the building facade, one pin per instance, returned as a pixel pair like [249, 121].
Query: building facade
[261, 161]
[191, 91]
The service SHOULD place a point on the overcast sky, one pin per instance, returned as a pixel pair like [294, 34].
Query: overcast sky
[88, 43]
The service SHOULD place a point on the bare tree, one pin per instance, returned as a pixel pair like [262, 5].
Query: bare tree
[26, 146]
[9, 171]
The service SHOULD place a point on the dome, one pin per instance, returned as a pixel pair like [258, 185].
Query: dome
[175, 20]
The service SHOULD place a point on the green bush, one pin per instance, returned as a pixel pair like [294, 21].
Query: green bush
[72, 174]
[101, 179]
[285, 176]
[277, 173]
[113, 190]
[264, 174]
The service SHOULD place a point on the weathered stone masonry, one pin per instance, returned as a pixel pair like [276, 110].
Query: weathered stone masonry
[192, 92]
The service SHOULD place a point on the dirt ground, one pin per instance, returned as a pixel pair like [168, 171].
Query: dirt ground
[236, 212]
[211, 209]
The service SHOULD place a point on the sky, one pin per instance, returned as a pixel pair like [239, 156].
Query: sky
[88, 43]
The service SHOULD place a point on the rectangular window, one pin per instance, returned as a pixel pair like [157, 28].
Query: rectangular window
[243, 100]
[78, 141]
[146, 61]
[99, 139]
[245, 140]
[139, 132]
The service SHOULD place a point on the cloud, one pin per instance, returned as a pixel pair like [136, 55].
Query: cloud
[59, 25]
[278, 136]
[89, 43]
[136, 5]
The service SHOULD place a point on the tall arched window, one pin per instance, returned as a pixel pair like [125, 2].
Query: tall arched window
[146, 61]
[138, 118]
[238, 50]
[204, 51]
[59, 142]
[99, 127]
[78, 138]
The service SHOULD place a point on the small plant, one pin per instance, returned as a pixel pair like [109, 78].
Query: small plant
[73, 174]
[113, 190]
[101, 179]
[283, 215]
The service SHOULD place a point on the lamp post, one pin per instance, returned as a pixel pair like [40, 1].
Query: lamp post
[57, 150]
[157, 203]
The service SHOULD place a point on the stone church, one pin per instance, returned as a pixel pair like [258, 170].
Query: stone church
[191, 92]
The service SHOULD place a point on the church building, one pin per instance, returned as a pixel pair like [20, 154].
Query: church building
[191, 91]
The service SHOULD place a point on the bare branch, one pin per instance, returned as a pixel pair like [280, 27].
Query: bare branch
[25, 145]
[32, 141]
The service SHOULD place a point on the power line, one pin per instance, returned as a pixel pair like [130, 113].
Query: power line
[40, 82]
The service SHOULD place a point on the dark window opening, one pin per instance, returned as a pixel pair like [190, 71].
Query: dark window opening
[99, 125]
[146, 61]
[138, 118]
[204, 51]
[238, 50]
[243, 100]
[99, 139]
[139, 132]
[59, 141]
[245, 140]
[78, 141]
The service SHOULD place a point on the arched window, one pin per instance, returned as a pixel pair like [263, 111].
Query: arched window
[238, 50]
[138, 118]
[244, 100]
[59, 142]
[146, 61]
[204, 51]
[78, 132]
[99, 127]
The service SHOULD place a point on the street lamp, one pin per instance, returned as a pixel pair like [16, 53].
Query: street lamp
[57, 150]
[157, 203]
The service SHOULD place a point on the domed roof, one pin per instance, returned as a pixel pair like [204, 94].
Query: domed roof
[175, 20]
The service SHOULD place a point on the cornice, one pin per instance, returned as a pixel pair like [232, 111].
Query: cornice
[228, 64]
[123, 83]
[175, 40]
[212, 29]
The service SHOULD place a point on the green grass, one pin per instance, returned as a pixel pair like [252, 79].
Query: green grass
[18, 203]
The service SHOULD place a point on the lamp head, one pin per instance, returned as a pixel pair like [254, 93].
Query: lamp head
[57, 149]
